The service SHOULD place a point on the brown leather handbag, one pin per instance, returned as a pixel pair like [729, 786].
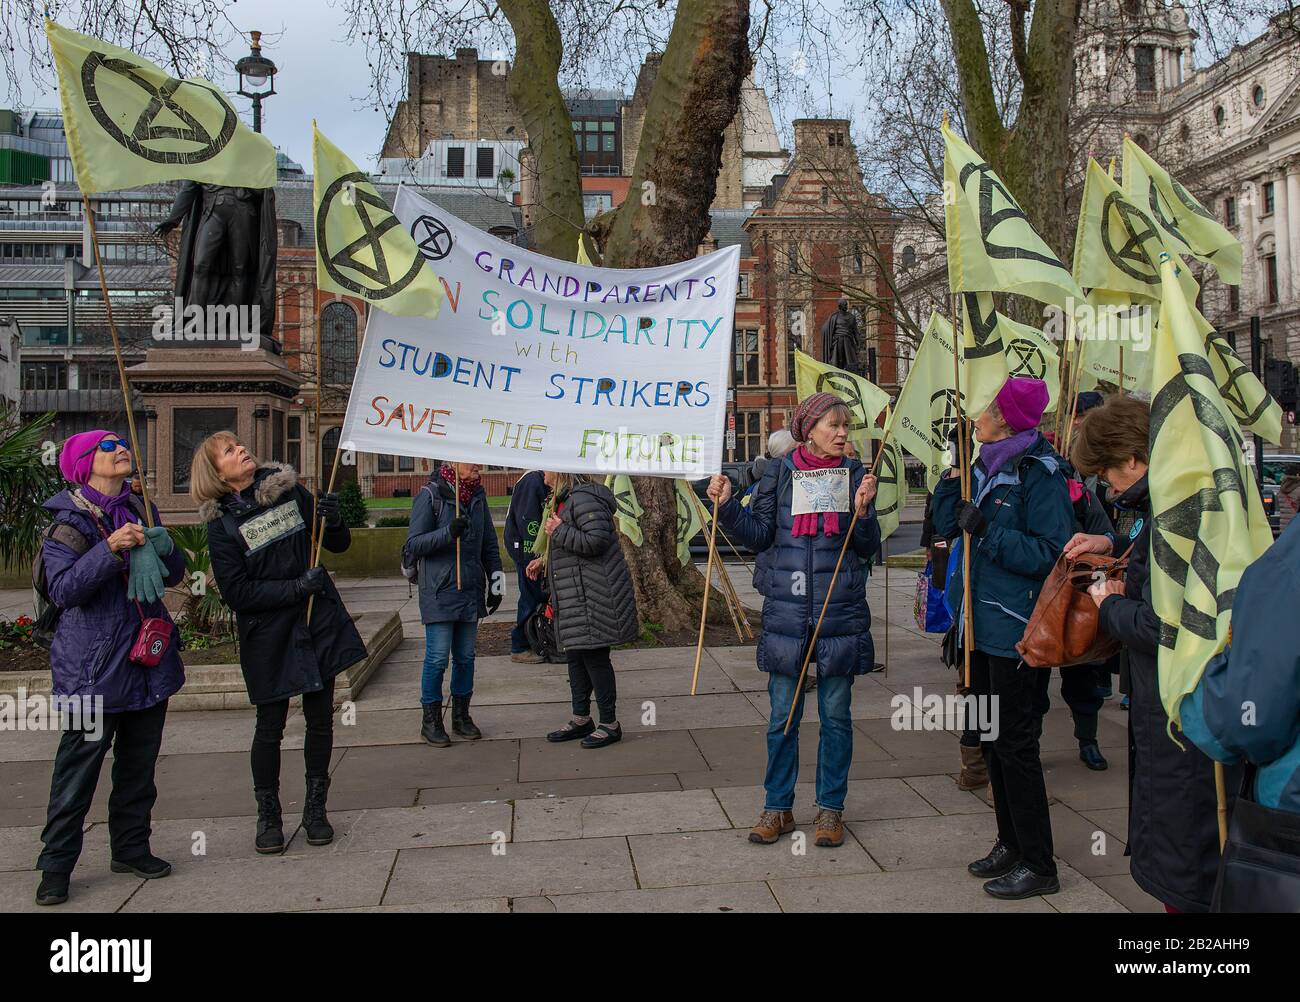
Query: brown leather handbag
[1065, 628]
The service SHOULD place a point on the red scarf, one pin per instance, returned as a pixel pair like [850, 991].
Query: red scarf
[468, 485]
[806, 524]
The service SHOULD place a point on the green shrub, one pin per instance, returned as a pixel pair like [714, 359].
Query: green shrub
[352, 506]
[392, 522]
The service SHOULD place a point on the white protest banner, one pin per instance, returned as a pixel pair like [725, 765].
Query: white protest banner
[816, 491]
[544, 364]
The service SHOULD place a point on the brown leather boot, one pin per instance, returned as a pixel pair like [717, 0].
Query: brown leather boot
[830, 829]
[771, 826]
[974, 770]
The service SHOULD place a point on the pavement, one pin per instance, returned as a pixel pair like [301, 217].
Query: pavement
[512, 823]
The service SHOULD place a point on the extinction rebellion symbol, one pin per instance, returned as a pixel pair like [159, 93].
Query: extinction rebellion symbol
[1026, 358]
[846, 389]
[161, 100]
[370, 244]
[943, 418]
[432, 238]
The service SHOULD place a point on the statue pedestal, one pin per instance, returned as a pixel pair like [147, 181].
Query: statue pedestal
[191, 392]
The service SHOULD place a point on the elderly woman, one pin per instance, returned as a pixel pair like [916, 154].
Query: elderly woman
[1018, 521]
[1173, 838]
[259, 531]
[799, 521]
[591, 598]
[105, 572]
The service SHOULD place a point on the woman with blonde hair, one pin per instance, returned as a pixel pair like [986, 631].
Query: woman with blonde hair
[259, 534]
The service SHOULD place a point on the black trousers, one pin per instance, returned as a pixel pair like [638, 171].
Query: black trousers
[135, 738]
[1015, 769]
[318, 744]
[592, 670]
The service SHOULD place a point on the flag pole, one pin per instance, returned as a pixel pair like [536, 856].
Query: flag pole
[884, 545]
[320, 536]
[1221, 793]
[812, 642]
[320, 441]
[963, 460]
[1121, 370]
[456, 470]
[708, 585]
[728, 590]
[121, 365]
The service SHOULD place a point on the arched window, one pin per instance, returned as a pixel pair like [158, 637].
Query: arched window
[1257, 95]
[1219, 115]
[338, 343]
[909, 256]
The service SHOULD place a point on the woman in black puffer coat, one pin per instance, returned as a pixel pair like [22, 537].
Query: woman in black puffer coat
[591, 599]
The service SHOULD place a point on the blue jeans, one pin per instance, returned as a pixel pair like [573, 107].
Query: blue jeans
[441, 641]
[834, 747]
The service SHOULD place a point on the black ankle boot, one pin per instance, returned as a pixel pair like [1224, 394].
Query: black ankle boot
[53, 889]
[270, 826]
[431, 728]
[461, 724]
[314, 820]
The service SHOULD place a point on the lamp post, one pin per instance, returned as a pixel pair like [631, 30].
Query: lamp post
[256, 72]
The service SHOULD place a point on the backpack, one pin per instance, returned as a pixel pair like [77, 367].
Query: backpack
[411, 571]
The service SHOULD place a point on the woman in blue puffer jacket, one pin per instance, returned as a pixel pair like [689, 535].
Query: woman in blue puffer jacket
[797, 518]
[95, 546]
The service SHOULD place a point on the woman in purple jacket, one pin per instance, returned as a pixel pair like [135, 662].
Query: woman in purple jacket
[105, 699]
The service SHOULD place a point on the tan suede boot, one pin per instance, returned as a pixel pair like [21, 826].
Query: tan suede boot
[771, 826]
[974, 771]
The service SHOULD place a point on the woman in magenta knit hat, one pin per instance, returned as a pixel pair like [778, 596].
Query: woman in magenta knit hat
[105, 572]
[796, 519]
[1018, 520]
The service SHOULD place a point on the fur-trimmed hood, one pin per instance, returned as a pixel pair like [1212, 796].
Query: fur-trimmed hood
[270, 483]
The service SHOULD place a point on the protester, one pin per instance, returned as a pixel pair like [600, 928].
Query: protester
[1018, 521]
[96, 555]
[802, 551]
[523, 520]
[1172, 828]
[591, 599]
[259, 522]
[460, 582]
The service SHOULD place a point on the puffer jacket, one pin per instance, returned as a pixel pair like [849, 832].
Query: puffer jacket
[1030, 519]
[591, 589]
[260, 544]
[796, 574]
[98, 623]
[429, 541]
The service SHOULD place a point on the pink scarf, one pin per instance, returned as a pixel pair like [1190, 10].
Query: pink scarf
[806, 524]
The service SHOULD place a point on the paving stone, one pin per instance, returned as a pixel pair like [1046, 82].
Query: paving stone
[468, 906]
[927, 843]
[644, 753]
[725, 747]
[945, 889]
[416, 767]
[19, 847]
[91, 890]
[1085, 846]
[269, 883]
[729, 857]
[1084, 790]
[416, 827]
[867, 800]
[528, 868]
[1080, 894]
[551, 788]
[1112, 820]
[215, 785]
[946, 797]
[731, 709]
[1123, 889]
[621, 814]
[741, 897]
[908, 744]
[28, 746]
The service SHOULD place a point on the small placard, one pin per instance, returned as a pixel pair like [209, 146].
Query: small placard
[817, 491]
[269, 526]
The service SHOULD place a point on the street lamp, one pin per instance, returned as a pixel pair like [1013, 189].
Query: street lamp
[256, 71]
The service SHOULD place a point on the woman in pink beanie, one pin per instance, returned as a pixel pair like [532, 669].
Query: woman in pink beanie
[1018, 521]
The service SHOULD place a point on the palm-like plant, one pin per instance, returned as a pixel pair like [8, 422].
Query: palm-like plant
[28, 475]
[205, 611]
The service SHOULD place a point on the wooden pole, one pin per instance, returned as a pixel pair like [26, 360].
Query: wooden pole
[320, 448]
[884, 544]
[963, 460]
[1121, 370]
[319, 537]
[121, 365]
[1074, 397]
[1220, 792]
[456, 469]
[704, 607]
[738, 619]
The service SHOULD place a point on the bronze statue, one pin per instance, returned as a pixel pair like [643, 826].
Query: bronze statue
[227, 254]
[840, 339]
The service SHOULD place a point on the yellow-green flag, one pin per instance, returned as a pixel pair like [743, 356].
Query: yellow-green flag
[926, 411]
[983, 348]
[1247, 399]
[865, 399]
[129, 122]
[1116, 336]
[1188, 225]
[1117, 245]
[1030, 354]
[628, 513]
[689, 519]
[1208, 522]
[991, 246]
[361, 248]
[891, 491]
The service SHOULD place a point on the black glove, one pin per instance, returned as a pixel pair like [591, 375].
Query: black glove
[458, 526]
[492, 598]
[971, 519]
[327, 506]
[311, 583]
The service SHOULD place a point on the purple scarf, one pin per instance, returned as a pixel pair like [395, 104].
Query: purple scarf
[806, 524]
[995, 455]
[117, 507]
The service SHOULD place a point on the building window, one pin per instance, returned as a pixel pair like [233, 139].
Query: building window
[385, 464]
[909, 256]
[835, 139]
[1220, 116]
[1269, 198]
[594, 202]
[1230, 211]
[1234, 298]
[294, 457]
[1257, 95]
[97, 377]
[338, 341]
[405, 464]
[749, 435]
[794, 338]
[190, 426]
[277, 436]
[742, 285]
[45, 375]
[455, 161]
[1145, 61]
[857, 259]
[745, 358]
[485, 161]
[792, 257]
[1270, 279]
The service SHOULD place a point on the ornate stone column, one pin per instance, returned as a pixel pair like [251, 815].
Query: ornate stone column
[1282, 233]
